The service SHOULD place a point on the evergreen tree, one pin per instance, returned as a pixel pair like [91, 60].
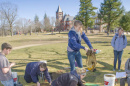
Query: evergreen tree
[100, 21]
[36, 21]
[86, 13]
[47, 25]
[125, 21]
[111, 11]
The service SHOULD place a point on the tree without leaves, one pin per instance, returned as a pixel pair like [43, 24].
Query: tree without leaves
[21, 25]
[9, 10]
[2, 23]
[53, 20]
[111, 11]
[58, 25]
[86, 13]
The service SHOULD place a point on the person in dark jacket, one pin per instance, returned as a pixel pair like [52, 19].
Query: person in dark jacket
[70, 79]
[35, 69]
[127, 70]
[75, 36]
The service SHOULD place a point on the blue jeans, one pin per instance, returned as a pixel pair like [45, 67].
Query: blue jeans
[117, 54]
[72, 56]
[8, 83]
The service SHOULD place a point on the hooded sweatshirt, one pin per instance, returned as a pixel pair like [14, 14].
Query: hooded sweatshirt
[119, 43]
[74, 41]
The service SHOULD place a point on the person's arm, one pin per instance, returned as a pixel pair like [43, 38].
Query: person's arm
[80, 83]
[73, 41]
[34, 75]
[125, 42]
[6, 69]
[73, 83]
[85, 38]
[112, 42]
[47, 75]
[38, 84]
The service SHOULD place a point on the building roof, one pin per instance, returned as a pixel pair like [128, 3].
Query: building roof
[68, 18]
[59, 9]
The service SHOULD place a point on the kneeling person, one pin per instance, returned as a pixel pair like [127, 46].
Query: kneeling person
[70, 79]
[33, 70]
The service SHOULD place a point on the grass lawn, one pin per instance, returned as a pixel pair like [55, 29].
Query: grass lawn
[54, 50]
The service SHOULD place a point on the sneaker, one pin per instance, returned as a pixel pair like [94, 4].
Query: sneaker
[119, 70]
[113, 69]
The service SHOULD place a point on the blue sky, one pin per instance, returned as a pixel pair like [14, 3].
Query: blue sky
[29, 8]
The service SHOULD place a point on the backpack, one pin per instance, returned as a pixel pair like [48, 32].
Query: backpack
[123, 39]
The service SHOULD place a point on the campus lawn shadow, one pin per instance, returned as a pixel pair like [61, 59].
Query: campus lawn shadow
[128, 43]
[63, 33]
[95, 42]
[95, 77]
[106, 36]
[107, 66]
[55, 63]
[84, 57]
[106, 45]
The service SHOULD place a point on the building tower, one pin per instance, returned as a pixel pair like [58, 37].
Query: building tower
[59, 14]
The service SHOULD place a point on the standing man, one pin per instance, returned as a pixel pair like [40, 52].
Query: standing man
[74, 44]
[118, 42]
[35, 69]
[5, 67]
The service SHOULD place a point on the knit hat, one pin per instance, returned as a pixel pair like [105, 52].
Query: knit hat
[81, 71]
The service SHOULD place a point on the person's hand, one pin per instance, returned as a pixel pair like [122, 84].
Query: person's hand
[50, 83]
[92, 50]
[12, 64]
[38, 84]
[86, 49]
[81, 30]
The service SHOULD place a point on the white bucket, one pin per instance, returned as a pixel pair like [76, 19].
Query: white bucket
[14, 75]
[109, 79]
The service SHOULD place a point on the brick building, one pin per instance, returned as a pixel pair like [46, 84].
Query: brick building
[65, 22]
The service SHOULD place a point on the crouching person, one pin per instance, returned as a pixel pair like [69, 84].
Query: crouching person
[35, 69]
[70, 79]
[127, 70]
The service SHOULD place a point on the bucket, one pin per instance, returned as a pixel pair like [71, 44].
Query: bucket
[90, 84]
[14, 75]
[109, 79]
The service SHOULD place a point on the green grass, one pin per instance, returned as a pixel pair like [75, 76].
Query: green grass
[56, 54]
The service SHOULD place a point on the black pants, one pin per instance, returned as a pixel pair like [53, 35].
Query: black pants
[122, 81]
[28, 78]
